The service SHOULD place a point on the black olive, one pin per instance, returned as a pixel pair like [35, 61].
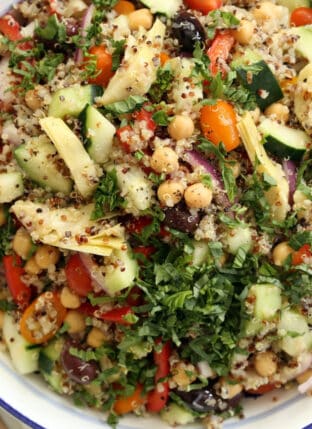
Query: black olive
[203, 400]
[80, 371]
[180, 218]
[188, 30]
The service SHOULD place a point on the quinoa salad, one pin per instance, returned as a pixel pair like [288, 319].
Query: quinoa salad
[156, 202]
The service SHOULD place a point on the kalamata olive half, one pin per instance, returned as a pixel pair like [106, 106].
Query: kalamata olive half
[188, 30]
[78, 370]
[180, 218]
[203, 400]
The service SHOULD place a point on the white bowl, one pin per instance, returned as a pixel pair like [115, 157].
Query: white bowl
[30, 400]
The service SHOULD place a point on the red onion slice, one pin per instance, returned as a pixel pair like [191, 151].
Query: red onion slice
[94, 270]
[85, 24]
[290, 170]
[196, 160]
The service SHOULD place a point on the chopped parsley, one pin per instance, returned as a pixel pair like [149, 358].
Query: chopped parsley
[53, 30]
[129, 105]
[162, 84]
[118, 46]
[6, 233]
[107, 195]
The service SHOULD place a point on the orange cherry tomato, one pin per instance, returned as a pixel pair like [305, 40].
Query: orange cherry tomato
[301, 16]
[300, 255]
[104, 64]
[126, 404]
[43, 318]
[203, 6]
[10, 28]
[218, 124]
[124, 7]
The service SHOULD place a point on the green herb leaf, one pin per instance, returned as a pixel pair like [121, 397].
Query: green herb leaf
[132, 103]
[6, 305]
[240, 257]
[6, 234]
[162, 84]
[107, 195]
[161, 118]
[118, 46]
[300, 238]
[53, 30]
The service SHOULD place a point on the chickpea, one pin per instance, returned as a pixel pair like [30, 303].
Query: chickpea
[46, 256]
[3, 217]
[96, 338]
[198, 196]
[266, 11]
[32, 99]
[140, 18]
[244, 32]
[31, 266]
[278, 111]
[266, 364]
[235, 167]
[183, 374]
[75, 322]
[228, 388]
[22, 243]
[69, 299]
[164, 160]
[1, 318]
[280, 253]
[170, 193]
[181, 127]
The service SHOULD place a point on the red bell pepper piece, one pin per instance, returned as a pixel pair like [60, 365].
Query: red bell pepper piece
[146, 251]
[10, 28]
[300, 255]
[116, 315]
[144, 115]
[220, 50]
[78, 277]
[137, 224]
[158, 397]
[21, 293]
[124, 135]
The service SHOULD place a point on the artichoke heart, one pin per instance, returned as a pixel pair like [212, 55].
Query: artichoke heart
[70, 228]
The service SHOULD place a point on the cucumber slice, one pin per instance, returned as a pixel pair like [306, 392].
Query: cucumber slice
[293, 4]
[24, 359]
[71, 101]
[283, 141]
[165, 7]
[295, 333]
[11, 186]
[38, 159]
[175, 415]
[304, 43]
[258, 78]
[268, 300]
[48, 357]
[120, 272]
[98, 132]
[71, 149]
[200, 253]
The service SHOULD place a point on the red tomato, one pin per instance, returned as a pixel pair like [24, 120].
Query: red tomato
[78, 277]
[220, 50]
[158, 397]
[146, 251]
[144, 115]
[135, 297]
[13, 270]
[137, 224]
[51, 305]
[301, 16]
[104, 64]
[300, 255]
[117, 315]
[10, 28]
[203, 6]
[124, 135]
[265, 388]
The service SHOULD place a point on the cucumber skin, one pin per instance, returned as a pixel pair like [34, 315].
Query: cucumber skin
[262, 80]
[279, 149]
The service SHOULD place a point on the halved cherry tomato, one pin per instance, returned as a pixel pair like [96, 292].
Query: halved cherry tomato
[144, 115]
[104, 64]
[137, 224]
[220, 50]
[158, 397]
[124, 7]
[10, 28]
[49, 307]
[299, 256]
[265, 388]
[218, 124]
[13, 270]
[78, 277]
[203, 6]
[301, 16]
[126, 404]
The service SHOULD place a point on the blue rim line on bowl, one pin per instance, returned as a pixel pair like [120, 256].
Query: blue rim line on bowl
[34, 425]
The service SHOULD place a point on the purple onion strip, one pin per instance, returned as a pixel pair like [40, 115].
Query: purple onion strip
[290, 170]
